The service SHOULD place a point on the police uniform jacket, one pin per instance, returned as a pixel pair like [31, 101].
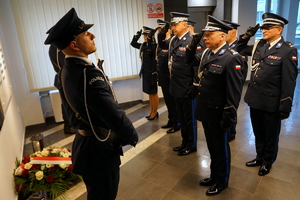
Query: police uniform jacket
[149, 68]
[273, 76]
[104, 111]
[220, 86]
[181, 73]
[162, 63]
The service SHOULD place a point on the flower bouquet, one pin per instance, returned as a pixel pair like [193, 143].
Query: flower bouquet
[49, 170]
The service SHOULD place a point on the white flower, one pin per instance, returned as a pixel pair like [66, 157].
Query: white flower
[49, 165]
[27, 166]
[45, 153]
[65, 150]
[42, 167]
[63, 165]
[18, 171]
[55, 150]
[65, 155]
[39, 175]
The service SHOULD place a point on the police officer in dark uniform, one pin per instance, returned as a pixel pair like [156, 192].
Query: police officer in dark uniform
[271, 88]
[164, 37]
[219, 92]
[181, 83]
[102, 126]
[232, 40]
[58, 60]
[149, 68]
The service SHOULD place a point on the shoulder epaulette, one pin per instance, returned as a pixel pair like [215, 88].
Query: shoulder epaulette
[232, 51]
[289, 44]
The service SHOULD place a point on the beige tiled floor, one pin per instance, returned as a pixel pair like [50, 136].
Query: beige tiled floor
[153, 170]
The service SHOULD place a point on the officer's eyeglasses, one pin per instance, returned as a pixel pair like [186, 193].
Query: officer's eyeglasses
[268, 27]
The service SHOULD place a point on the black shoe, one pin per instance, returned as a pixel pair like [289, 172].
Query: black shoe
[186, 151]
[264, 169]
[207, 182]
[166, 126]
[155, 117]
[147, 117]
[173, 130]
[253, 163]
[179, 148]
[216, 189]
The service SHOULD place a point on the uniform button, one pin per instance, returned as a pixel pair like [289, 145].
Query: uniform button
[254, 83]
[256, 75]
[199, 93]
[200, 85]
[214, 71]
[202, 77]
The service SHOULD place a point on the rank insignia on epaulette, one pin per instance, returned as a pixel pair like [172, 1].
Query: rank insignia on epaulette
[294, 58]
[233, 51]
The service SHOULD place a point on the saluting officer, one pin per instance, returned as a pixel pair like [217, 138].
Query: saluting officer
[149, 68]
[181, 83]
[164, 37]
[232, 41]
[102, 126]
[219, 92]
[271, 88]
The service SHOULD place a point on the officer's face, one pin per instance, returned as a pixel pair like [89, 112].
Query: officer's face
[179, 29]
[214, 39]
[271, 33]
[85, 43]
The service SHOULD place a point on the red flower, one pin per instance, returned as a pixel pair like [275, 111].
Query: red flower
[24, 173]
[52, 168]
[49, 179]
[69, 169]
[53, 156]
[26, 159]
[34, 167]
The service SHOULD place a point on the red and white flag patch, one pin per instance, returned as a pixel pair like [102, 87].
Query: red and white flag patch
[294, 58]
[238, 67]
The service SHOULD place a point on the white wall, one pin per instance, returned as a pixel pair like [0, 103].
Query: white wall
[13, 129]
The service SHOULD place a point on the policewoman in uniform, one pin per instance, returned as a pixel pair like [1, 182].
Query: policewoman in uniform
[219, 92]
[181, 82]
[232, 40]
[148, 68]
[164, 37]
[271, 88]
[102, 126]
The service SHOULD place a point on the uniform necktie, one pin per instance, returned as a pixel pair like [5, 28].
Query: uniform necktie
[267, 46]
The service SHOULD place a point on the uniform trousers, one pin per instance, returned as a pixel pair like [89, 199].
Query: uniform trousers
[266, 127]
[218, 147]
[171, 105]
[104, 188]
[188, 124]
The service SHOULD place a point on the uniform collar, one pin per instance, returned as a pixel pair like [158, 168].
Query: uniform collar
[82, 58]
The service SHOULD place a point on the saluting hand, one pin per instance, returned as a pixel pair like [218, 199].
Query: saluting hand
[195, 41]
[138, 34]
[250, 31]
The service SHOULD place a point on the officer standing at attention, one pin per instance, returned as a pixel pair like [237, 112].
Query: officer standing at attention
[271, 88]
[164, 37]
[219, 93]
[58, 60]
[232, 41]
[149, 68]
[181, 83]
[102, 126]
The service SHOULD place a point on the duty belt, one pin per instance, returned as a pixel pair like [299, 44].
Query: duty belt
[102, 131]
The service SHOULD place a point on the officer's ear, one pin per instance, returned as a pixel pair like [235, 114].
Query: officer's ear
[74, 45]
